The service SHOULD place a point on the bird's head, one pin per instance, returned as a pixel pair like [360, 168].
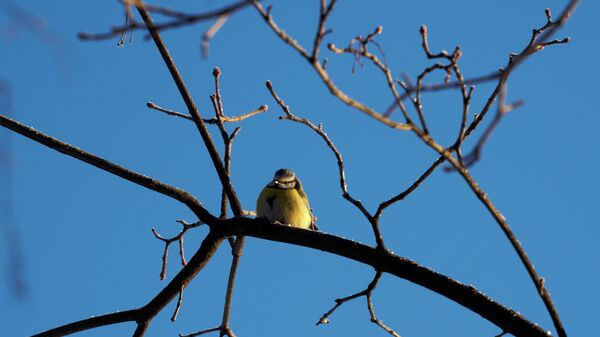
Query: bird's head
[283, 178]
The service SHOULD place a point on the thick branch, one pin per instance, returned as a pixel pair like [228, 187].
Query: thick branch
[105, 165]
[91, 323]
[465, 295]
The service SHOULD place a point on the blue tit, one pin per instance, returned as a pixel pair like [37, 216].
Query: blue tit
[283, 200]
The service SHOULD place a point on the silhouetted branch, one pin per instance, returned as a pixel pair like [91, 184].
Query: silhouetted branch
[105, 165]
[473, 157]
[362, 51]
[409, 190]
[537, 42]
[378, 257]
[201, 332]
[539, 39]
[368, 292]
[144, 315]
[237, 244]
[340, 301]
[385, 261]
[212, 241]
[179, 238]
[93, 322]
[440, 87]
[180, 19]
[324, 12]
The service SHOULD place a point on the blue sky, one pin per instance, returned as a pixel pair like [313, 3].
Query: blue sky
[86, 237]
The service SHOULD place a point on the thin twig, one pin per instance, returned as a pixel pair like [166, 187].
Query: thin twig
[225, 119]
[201, 332]
[178, 306]
[237, 245]
[340, 162]
[236, 252]
[538, 41]
[368, 292]
[503, 108]
[370, 306]
[168, 241]
[440, 87]
[362, 51]
[409, 190]
[340, 301]
[325, 78]
[324, 12]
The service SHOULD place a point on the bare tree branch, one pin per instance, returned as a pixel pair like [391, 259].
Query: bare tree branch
[362, 51]
[201, 332]
[180, 20]
[368, 292]
[475, 155]
[318, 67]
[370, 306]
[237, 245]
[179, 238]
[540, 39]
[324, 12]
[409, 190]
[440, 87]
[93, 322]
[193, 110]
[225, 119]
[377, 257]
[144, 315]
[385, 261]
[105, 165]
[381, 260]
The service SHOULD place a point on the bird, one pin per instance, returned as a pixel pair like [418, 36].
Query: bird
[284, 201]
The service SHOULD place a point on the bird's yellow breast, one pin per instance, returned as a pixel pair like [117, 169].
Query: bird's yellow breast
[284, 205]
